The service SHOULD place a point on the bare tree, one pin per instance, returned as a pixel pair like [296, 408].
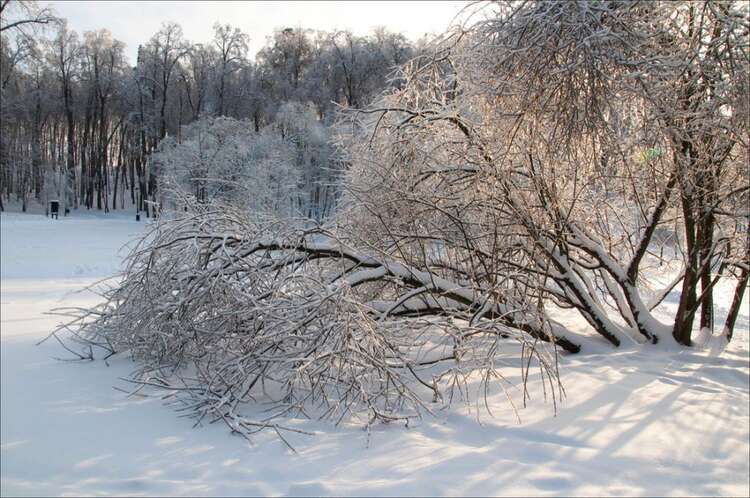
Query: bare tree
[196, 77]
[231, 44]
[168, 48]
[547, 139]
[64, 57]
[18, 14]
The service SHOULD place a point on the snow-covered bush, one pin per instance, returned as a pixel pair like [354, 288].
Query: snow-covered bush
[223, 159]
[287, 168]
[314, 157]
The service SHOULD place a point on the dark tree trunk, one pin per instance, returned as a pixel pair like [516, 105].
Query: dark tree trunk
[734, 309]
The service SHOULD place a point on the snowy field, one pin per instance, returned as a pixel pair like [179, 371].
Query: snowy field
[636, 422]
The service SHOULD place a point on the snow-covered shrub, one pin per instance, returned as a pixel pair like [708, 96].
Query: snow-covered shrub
[314, 157]
[287, 168]
[223, 159]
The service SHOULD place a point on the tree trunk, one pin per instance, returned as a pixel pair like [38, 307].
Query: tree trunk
[734, 309]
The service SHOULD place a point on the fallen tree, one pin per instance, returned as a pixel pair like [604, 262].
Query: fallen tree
[226, 311]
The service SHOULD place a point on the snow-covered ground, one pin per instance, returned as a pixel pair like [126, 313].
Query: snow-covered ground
[635, 422]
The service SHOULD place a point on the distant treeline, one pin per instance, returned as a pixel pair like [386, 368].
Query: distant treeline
[80, 121]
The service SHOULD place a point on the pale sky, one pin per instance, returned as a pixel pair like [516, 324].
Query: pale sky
[134, 22]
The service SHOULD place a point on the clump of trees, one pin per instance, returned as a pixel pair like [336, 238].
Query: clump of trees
[548, 155]
[219, 159]
[287, 168]
[74, 107]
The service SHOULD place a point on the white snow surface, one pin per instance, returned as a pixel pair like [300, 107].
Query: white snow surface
[636, 421]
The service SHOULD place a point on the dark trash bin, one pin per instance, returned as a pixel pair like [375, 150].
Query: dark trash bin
[54, 209]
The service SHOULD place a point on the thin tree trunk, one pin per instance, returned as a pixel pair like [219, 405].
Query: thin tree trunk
[734, 309]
